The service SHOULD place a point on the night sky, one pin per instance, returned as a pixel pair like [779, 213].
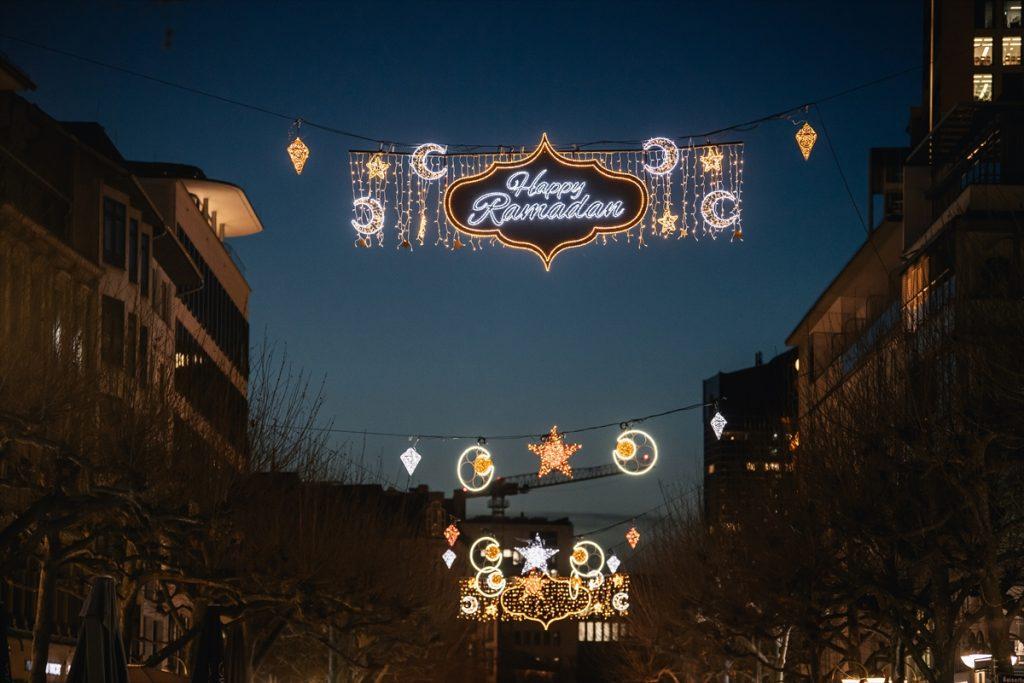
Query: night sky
[488, 343]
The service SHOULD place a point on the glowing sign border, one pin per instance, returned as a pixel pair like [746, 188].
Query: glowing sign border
[542, 147]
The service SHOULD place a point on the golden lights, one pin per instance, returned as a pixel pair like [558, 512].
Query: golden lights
[712, 160]
[378, 167]
[636, 452]
[451, 534]
[475, 468]
[805, 139]
[554, 453]
[632, 537]
[298, 152]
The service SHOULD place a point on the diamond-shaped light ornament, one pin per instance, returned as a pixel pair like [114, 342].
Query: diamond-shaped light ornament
[632, 537]
[805, 139]
[451, 534]
[448, 557]
[718, 424]
[298, 152]
[613, 563]
[410, 459]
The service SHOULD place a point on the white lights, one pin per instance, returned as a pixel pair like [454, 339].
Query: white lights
[613, 564]
[670, 156]
[475, 468]
[587, 559]
[635, 452]
[563, 201]
[410, 458]
[975, 659]
[536, 555]
[448, 557]
[469, 605]
[419, 161]
[374, 211]
[712, 215]
[620, 601]
[718, 425]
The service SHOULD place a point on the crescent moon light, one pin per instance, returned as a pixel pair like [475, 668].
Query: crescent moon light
[709, 208]
[469, 604]
[419, 161]
[375, 216]
[671, 154]
[620, 601]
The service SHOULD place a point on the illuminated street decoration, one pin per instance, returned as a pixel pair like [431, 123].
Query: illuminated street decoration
[554, 453]
[374, 221]
[718, 425]
[451, 534]
[448, 557]
[536, 555]
[805, 139]
[586, 560]
[419, 161]
[298, 152]
[632, 537]
[670, 156]
[613, 564]
[410, 458]
[475, 468]
[547, 200]
[635, 452]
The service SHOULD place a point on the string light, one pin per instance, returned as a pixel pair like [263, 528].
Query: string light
[718, 425]
[632, 537]
[805, 139]
[410, 458]
[298, 152]
[554, 453]
[451, 534]
[635, 452]
[558, 598]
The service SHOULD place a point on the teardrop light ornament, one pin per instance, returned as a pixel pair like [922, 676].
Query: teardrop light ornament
[805, 139]
[298, 152]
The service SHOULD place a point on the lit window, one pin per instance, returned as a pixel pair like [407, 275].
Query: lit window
[983, 87]
[773, 466]
[583, 631]
[1012, 13]
[982, 52]
[711, 468]
[751, 466]
[1011, 51]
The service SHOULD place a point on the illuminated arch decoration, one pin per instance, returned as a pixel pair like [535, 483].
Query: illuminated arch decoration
[412, 187]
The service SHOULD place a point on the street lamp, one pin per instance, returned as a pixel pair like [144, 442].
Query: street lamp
[983, 658]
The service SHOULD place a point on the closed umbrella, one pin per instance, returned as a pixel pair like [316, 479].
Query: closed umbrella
[5, 653]
[99, 652]
[208, 663]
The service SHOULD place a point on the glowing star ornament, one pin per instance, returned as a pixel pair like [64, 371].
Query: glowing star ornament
[668, 222]
[613, 564]
[632, 537]
[718, 425]
[448, 557]
[533, 585]
[378, 167]
[298, 152]
[451, 534]
[410, 459]
[711, 160]
[554, 453]
[805, 139]
[536, 556]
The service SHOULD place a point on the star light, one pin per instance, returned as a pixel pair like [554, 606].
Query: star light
[448, 557]
[535, 555]
[410, 459]
[613, 563]
[451, 534]
[378, 167]
[668, 221]
[533, 584]
[554, 453]
[718, 425]
[712, 160]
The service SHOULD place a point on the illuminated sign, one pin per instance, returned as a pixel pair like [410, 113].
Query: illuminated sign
[546, 202]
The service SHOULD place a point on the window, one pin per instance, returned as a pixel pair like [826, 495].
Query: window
[983, 87]
[1011, 51]
[1012, 13]
[751, 466]
[983, 13]
[144, 254]
[773, 467]
[112, 341]
[132, 338]
[133, 250]
[983, 52]
[711, 468]
[113, 232]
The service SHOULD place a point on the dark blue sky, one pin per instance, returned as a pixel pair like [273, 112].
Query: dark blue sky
[465, 342]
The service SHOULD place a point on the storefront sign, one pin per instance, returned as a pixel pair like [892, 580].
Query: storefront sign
[546, 202]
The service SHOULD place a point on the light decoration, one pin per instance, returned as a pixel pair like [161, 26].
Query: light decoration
[712, 216]
[554, 453]
[475, 468]
[805, 139]
[718, 425]
[613, 564]
[449, 557]
[489, 581]
[414, 205]
[419, 161]
[711, 160]
[536, 555]
[374, 221]
[378, 167]
[546, 600]
[668, 222]
[632, 537]
[670, 156]
[585, 562]
[451, 534]
[635, 452]
[298, 152]
[410, 458]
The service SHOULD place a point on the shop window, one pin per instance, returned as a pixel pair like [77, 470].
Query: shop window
[1011, 51]
[983, 87]
[982, 51]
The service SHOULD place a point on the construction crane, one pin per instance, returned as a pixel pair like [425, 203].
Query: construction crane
[502, 487]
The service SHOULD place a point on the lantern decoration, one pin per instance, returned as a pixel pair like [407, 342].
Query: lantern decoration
[718, 425]
[805, 139]
[298, 152]
[632, 537]
[451, 534]
[448, 557]
[613, 564]
[410, 458]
